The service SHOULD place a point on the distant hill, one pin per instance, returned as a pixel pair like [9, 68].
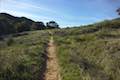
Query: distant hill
[10, 24]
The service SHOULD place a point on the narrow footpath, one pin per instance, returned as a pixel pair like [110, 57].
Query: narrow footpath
[52, 70]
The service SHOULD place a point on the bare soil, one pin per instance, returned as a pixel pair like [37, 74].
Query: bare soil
[52, 70]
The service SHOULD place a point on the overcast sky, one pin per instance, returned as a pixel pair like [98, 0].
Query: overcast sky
[65, 12]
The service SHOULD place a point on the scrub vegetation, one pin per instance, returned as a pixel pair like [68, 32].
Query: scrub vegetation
[89, 52]
[23, 56]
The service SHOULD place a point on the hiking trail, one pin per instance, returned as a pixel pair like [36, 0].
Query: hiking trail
[52, 66]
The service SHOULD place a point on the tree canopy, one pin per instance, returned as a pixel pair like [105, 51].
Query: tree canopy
[52, 24]
[118, 11]
[10, 24]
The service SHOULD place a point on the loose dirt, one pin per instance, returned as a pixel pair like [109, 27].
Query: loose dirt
[52, 71]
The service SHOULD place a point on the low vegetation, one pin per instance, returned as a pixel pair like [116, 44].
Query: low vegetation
[90, 52]
[23, 56]
[10, 24]
[85, 53]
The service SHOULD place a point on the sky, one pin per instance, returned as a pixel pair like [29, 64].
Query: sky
[64, 12]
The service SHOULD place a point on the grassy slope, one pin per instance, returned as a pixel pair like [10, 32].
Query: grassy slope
[85, 53]
[90, 53]
[22, 56]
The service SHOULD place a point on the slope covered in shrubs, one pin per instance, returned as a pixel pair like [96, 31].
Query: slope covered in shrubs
[90, 52]
[85, 53]
[23, 56]
[10, 24]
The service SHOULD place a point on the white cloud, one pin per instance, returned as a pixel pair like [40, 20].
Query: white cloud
[20, 8]
[28, 15]
[17, 4]
[27, 6]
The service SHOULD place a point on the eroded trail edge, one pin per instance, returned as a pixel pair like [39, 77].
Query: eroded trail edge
[52, 71]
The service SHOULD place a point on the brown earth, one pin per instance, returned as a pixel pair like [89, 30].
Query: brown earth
[52, 70]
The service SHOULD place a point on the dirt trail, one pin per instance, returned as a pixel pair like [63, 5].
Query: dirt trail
[52, 72]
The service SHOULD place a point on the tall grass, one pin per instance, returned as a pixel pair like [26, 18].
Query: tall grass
[23, 57]
[88, 55]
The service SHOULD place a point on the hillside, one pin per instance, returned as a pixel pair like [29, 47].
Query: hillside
[90, 52]
[23, 56]
[10, 24]
[84, 53]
